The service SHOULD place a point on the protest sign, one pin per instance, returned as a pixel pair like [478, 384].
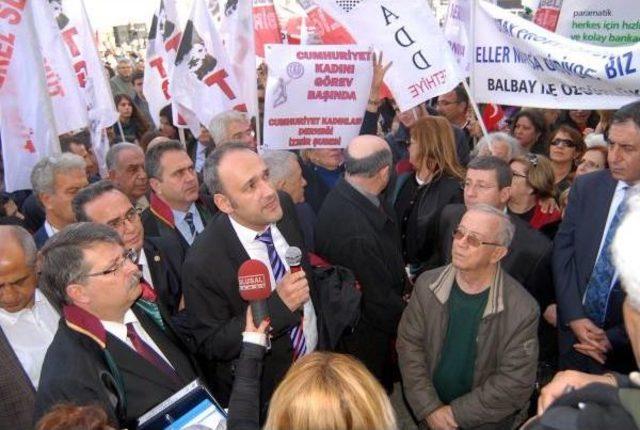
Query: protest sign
[610, 23]
[457, 27]
[408, 34]
[316, 95]
[203, 83]
[519, 63]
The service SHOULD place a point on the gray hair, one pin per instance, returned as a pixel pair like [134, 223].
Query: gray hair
[44, 172]
[212, 165]
[367, 166]
[595, 139]
[113, 154]
[279, 164]
[26, 242]
[87, 195]
[154, 154]
[624, 251]
[487, 142]
[507, 229]
[127, 60]
[63, 260]
[219, 124]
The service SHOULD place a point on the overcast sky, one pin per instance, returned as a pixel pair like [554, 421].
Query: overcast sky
[104, 14]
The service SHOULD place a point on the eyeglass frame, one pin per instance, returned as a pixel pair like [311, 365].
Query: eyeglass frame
[131, 215]
[472, 240]
[129, 254]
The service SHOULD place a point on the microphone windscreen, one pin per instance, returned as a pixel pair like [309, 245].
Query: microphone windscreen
[254, 281]
[293, 256]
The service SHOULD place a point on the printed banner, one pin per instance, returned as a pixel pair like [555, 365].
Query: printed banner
[265, 25]
[519, 63]
[331, 82]
[164, 39]
[408, 34]
[610, 23]
[203, 83]
[26, 123]
[456, 31]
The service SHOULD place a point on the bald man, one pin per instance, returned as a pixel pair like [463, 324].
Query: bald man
[28, 323]
[354, 230]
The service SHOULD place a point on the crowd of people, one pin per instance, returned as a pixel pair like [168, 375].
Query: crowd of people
[490, 278]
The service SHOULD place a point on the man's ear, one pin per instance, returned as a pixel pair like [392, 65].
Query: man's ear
[112, 175]
[45, 199]
[498, 253]
[154, 183]
[77, 294]
[223, 203]
[505, 194]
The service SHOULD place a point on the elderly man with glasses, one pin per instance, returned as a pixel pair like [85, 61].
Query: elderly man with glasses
[467, 341]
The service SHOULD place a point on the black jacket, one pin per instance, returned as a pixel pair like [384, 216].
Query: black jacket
[76, 370]
[217, 312]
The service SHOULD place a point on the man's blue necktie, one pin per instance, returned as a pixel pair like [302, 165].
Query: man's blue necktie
[298, 340]
[596, 295]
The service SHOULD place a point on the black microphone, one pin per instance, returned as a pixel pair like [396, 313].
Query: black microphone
[255, 287]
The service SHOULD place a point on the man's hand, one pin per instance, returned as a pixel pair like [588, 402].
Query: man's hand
[587, 332]
[293, 289]
[566, 381]
[249, 326]
[591, 351]
[378, 77]
[550, 314]
[442, 419]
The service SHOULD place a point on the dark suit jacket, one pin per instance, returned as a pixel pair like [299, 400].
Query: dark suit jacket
[165, 264]
[217, 312]
[40, 237]
[154, 226]
[528, 259]
[576, 248]
[17, 394]
[353, 233]
[75, 370]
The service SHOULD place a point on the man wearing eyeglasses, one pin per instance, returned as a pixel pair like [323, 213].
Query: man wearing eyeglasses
[158, 262]
[106, 351]
[467, 342]
[592, 334]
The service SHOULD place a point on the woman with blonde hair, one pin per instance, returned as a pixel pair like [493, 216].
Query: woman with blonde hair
[420, 196]
[328, 391]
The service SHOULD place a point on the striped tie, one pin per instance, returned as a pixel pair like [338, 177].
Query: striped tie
[298, 341]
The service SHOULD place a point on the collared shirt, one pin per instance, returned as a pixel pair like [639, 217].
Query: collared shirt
[182, 225]
[258, 251]
[375, 200]
[201, 156]
[51, 230]
[119, 330]
[30, 332]
[141, 204]
[146, 272]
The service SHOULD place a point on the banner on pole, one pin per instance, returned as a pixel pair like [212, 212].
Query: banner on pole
[265, 25]
[457, 26]
[408, 34]
[519, 63]
[331, 82]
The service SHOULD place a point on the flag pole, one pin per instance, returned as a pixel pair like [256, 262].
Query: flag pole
[469, 87]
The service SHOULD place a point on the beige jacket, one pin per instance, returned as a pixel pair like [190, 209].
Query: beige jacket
[507, 349]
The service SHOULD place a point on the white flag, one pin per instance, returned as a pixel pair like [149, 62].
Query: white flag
[203, 81]
[73, 22]
[26, 124]
[408, 34]
[457, 30]
[162, 48]
[67, 102]
[236, 31]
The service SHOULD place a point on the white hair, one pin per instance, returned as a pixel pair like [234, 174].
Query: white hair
[486, 143]
[278, 164]
[219, 124]
[507, 229]
[593, 140]
[625, 250]
[43, 173]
